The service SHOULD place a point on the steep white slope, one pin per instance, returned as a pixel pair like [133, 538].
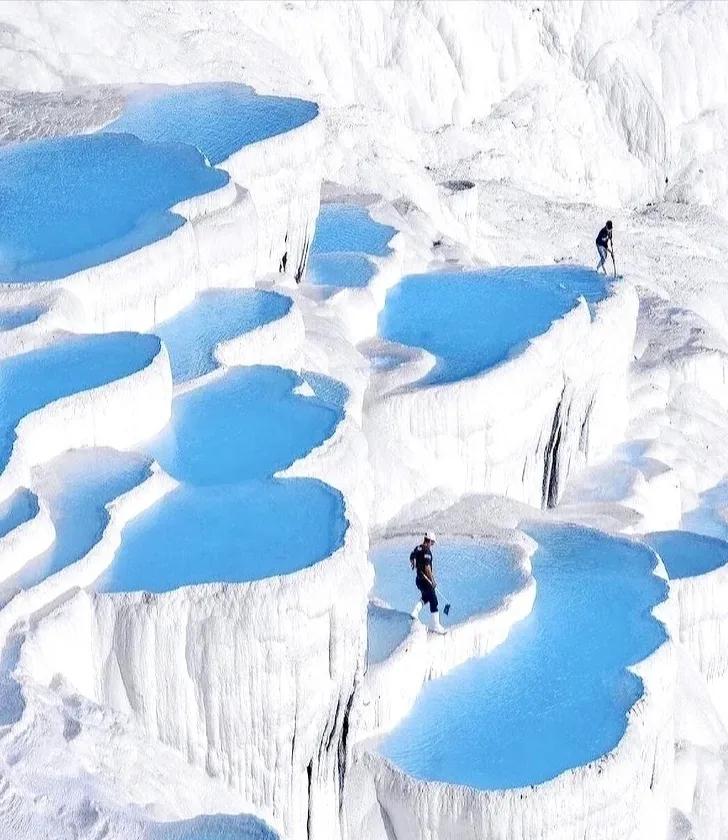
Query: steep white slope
[638, 89]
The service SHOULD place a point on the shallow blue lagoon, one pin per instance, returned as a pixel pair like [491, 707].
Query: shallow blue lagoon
[72, 364]
[230, 520]
[210, 827]
[707, 518]
[686, 554]
[348, 228]
[73, 202]
[218, 119]
[215, 316]
[80, 484]
[386, 629]
[473, 576]
[19, 316]
[473, 320]
[240, 532]
[556, 693]
[20, 507]
[247, 424]
[346, 270]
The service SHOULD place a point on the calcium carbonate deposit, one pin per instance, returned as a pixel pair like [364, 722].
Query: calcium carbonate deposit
[363, 420]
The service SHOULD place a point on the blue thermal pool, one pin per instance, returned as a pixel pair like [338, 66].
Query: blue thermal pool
[686, 554]
[20, 507]
[230, 519]
[386, 629]
[348, 228]
[471, 321]
[241, 532]
[72, 364]
[345, 236]
[218, 119]
[708, 517]
[474, 577]
[79, 484]
[246, 424]
[556, 693]
[347, 270]
[210, 827]
[20, 316]
[91, 199]
[215, 316]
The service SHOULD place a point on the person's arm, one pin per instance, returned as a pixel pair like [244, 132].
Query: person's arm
[429, 576]
[412, 558]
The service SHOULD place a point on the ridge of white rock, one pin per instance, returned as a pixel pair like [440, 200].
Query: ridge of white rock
[481, 435]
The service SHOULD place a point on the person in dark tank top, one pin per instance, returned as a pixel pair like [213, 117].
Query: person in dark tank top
[421, 563]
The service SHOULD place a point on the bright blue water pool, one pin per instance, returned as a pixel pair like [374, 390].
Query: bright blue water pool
[20, 316]
[218, 119]
[344, 238]
[72, 364]
[82, 483]
[473, 320]
[247, 424]
[386, 630]
[474, 577]
[349, 270]
[210, 827]
[215, 316]
[230, 520]
[686, 554]
[240, 532]
[73, 202]
[556, 693]
[20, 507]
[348, 228]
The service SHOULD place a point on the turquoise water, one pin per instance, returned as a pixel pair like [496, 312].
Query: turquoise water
[348, 228]
[386, 629]
[20, 507]
[474, 577]
[215, 316]
[210, 827]
[239, 532]
[686, 554]
[247, 424]
[350, 270]
[72, 364]
[345, 236]
[218, 119]
[20, 316]
[231, 520]
[471, 321]
[83, 482]
[556, 693]
[73, 202]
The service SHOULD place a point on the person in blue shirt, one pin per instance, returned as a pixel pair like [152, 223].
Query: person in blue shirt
[604, 245]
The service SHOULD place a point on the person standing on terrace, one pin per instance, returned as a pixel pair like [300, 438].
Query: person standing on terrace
[604, 245]
[421, 561]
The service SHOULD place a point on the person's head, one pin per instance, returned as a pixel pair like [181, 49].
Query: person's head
[609, 224]
[429, 539]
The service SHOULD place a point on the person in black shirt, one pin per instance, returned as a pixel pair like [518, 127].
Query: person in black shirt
[421, 561]
[604, 242]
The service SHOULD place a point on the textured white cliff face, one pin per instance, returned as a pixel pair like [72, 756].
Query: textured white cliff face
[638, 99]
[251, 682]
[481, 435]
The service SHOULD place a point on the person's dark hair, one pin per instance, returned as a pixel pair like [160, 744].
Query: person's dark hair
[609, 224]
